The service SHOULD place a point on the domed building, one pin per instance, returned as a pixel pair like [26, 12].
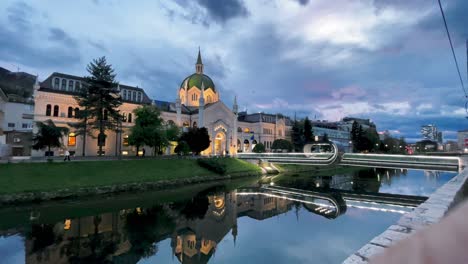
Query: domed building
[190, 88]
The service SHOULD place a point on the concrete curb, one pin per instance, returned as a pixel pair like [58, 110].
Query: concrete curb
[428, 213]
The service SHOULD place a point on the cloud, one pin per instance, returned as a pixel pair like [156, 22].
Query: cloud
[222, 11]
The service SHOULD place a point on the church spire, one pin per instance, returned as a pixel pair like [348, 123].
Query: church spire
[199, 65]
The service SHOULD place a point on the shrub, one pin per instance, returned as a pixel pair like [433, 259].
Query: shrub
[259, 148]
[182, 148]
[213, 164]
[282, 144]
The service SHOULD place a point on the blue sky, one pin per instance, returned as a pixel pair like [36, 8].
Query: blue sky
[385, 60]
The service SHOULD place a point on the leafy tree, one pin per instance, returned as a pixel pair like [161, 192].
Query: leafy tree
[281, 144]
[325, 138]
[99, 98]
[259, 148]
[182, 148]
[197, 139]
[148, 129]
[355, 135]
[49, 135]
[297, 136]
[308, 133]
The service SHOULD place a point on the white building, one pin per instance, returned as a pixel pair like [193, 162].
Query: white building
[462, 136]
[197, 104]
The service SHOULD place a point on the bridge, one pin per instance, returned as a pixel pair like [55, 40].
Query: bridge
[305, 158]
[332, 203]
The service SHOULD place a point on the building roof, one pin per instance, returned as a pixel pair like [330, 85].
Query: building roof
[199, 60]
[47, 86]
[196, 80]
[262, 117]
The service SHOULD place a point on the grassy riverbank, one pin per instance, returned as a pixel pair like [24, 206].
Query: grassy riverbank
[34, 177]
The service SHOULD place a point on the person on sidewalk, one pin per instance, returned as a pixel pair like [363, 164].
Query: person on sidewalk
[143, 152]
[67, 155]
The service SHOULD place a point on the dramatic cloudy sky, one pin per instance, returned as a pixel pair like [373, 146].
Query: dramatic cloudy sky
[385, 60]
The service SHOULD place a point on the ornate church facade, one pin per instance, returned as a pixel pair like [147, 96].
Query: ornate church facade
[198, 104]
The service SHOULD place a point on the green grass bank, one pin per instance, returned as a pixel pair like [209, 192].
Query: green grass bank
[44, 177]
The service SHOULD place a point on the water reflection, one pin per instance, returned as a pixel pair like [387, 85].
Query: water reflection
[194, 228]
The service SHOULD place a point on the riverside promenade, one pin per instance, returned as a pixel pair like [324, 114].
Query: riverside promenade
[428, 213]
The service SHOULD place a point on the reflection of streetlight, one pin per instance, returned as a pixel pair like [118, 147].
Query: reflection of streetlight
[386, 145]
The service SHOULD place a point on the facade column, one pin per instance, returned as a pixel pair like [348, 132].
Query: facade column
[213, 140]
[228, 141]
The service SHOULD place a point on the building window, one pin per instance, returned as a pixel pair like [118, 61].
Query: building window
[56, 110]
[11, 124]
[209, 99]
[64, 84]
[129, 117]
[72, 139]
[134, 96]
[246, 130]
[48, 110]
[105, 115]
[70, 85]
[125, 140]
[186, 124]
[125, 94]
[77, 112]
[70, 112]
[194, 124]
[24, 125]
[57, 83]
[139, 97]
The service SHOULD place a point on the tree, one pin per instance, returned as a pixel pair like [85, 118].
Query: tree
[259, 148]
[297, 136]
[325, 138]
[48, 135]
[282, 144]
[355, 135]
[148, 129]
[308, 133]
[99, 99]
[197, 139]
[182, 148]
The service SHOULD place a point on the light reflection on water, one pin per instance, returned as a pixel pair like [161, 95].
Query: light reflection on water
[251, 224]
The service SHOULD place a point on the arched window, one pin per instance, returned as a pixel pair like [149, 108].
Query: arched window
[130, 117]
[139, 97]
[72, 139]
[124, 117]
[134, 96]
[194, 124]
[186, 124]
[77, 112]
[56, 110]
[70, 112]
[209, 99]
[64, 85]
[125, 94]
[48, 109]
[70, 85]
[239, 129]
[57, 83]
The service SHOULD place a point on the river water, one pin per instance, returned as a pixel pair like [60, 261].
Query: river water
[311, 217]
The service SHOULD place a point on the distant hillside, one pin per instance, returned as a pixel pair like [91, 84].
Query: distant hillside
[17, 83]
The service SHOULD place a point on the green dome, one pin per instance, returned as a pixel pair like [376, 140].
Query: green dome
[196, 80]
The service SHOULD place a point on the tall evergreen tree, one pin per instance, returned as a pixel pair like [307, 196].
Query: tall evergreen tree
[99, 100]
[308, 133]
[355, 135]
[297, 136]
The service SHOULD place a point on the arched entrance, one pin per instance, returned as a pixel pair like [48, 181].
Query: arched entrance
[220, 143]
[239, 146]
[246, 146]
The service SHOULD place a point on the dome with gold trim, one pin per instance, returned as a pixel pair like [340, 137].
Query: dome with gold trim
[196, 80]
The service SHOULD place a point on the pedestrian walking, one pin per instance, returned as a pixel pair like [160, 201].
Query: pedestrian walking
[67, 155]
[143, 151]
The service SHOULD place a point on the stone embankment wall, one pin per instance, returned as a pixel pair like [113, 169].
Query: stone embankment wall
[27, 197]
[428, 213]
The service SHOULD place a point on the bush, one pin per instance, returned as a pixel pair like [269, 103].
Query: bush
[182, 148]
[213, 165]
[259, 148]
[282, 144]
